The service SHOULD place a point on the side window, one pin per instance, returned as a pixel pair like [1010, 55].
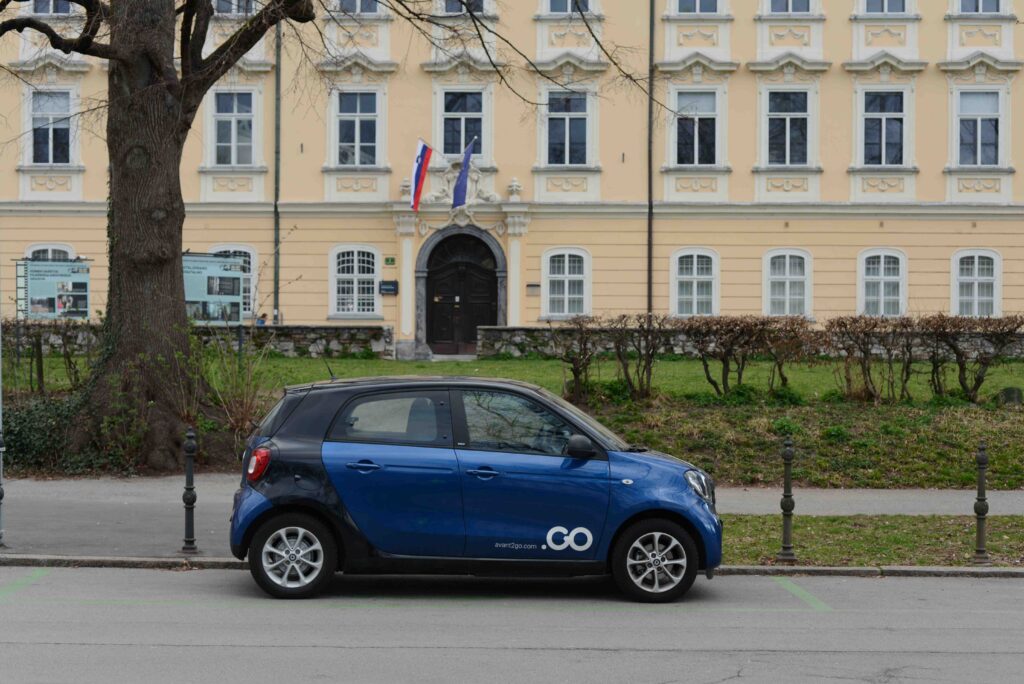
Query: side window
[407, 418]
[505, 422]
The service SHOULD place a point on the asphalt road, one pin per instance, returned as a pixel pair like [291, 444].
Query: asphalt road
[143, 516]
[84, 625]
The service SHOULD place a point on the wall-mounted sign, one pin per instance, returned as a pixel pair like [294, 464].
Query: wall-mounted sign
[389, 287]
[389, 261]
[533, 289]
[50, 290]
[213, 288]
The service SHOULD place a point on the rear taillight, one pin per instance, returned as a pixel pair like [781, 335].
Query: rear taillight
[258, 463]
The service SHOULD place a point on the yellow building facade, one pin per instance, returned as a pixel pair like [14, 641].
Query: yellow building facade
[811, 157]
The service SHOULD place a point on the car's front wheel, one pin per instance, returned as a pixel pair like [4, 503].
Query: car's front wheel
[292, 556]
[655, 561]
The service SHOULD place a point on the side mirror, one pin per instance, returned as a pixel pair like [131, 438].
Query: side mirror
[580, 446]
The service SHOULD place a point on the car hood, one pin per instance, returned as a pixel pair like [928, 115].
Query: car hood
[656, 459]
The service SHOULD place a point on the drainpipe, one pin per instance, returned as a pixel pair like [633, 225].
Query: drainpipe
[277, 176]
[650, 160]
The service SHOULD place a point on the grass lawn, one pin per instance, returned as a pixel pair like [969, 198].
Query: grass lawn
[872, 540]
[839, 443]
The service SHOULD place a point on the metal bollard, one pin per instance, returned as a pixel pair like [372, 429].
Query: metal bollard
[786, 555]
[981, 508]
[189, 497]
[2, 450]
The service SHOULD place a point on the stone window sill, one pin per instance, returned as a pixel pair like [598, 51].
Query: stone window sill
[976, 170]
[367, 170]
[355, 317]
[242, 170]
[882, 169]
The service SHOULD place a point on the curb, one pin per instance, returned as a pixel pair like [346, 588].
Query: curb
[199, 563]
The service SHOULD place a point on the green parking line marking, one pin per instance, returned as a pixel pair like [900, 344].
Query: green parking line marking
[19, 584]
[807, 597]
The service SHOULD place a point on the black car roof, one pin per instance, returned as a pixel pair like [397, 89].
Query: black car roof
[411, 381]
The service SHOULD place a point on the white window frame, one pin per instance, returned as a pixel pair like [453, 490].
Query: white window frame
[488, 8]
[588, 279]
[813, 7]
[479, 160]
[332, 279]
[954, 290]
[812, 124]
[235, 11]
[546, 8]
[71, 10]
[673, 10]
[63, 246]
[1004, 8]
[1004, 129]
[73, 144]
[863, 9]
[334, 135]
[808, 279]
[862, 278]
[721, 126]
[253, 275]
[257, 128]
[673, 279]
[909, 116]
[360, 12]
[592, 128]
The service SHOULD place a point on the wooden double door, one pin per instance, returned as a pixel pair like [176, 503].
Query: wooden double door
[462, 294]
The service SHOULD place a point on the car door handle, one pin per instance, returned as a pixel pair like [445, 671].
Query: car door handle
[363, 466]
[483, 473]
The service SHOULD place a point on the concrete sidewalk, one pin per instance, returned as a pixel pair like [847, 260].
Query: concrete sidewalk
[143, 517]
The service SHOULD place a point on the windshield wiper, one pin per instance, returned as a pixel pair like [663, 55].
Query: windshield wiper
[637, 448]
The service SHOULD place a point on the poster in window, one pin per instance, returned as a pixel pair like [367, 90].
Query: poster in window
[213, 288]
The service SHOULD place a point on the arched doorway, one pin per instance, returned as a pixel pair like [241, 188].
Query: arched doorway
[461, 293]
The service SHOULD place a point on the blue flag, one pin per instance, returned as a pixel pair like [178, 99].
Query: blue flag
[462, 182]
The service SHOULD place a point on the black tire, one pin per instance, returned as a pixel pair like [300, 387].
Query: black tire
[300, 578]
[656, 571]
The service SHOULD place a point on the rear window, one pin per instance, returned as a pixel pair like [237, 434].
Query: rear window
[406, 418]
[272, 421]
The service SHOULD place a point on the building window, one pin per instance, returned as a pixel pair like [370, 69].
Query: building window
[979, 6]
[51, 7]
[565, 279]
[568, 6]
[355, 278]
[790, 6]
[248, 258]
[233, 122]
[358, 6]
[567, 128]
[357, 129]
[696, 283]
[978, 124]
[50, 252]
[463, 121]
[463, 6]
[885, 6]
[234, 7]
[788, 283]
[883, 276]
[696, 129]
[51, 127]
[975, 283]
[698, 6]
[883, 129]
[788, 118]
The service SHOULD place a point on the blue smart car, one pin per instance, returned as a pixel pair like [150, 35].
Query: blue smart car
[463, 476]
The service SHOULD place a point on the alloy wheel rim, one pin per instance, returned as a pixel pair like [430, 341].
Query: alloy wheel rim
[293, 557]
[656, 562]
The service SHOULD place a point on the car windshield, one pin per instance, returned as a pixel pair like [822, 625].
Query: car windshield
[613, 441]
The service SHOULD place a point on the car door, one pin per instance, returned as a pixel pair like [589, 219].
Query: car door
[390, 457]
[523, 497]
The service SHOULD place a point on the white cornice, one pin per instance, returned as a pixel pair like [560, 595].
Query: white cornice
[885, 59]
[358, 61]
[981, 58]
[694, 59]
[47, 60]
[789, 59]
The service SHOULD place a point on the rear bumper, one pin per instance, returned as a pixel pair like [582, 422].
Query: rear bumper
[249, 506]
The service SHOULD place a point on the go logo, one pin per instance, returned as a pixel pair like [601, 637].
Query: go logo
[560, 539]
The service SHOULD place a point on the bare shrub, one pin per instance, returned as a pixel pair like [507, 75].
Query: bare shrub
[976, 345]
[576, 344]
[637, 340]
[786, 340]
[728, 340]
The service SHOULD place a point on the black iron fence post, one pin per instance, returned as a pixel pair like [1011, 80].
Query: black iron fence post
[189, 497]
[2, 450]
[786, 555]
[981, 508]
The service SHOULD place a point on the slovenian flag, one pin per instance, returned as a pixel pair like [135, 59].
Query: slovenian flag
[462, 183]
[419, 173]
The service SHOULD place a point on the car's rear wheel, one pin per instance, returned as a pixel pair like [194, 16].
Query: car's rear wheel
[292, 556]
[655, 561]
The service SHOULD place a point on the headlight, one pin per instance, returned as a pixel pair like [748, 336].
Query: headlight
[702, 484]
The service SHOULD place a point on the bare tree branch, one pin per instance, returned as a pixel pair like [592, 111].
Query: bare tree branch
[96, 13]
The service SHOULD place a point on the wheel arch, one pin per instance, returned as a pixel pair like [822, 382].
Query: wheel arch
[305, 509]
[661, 514]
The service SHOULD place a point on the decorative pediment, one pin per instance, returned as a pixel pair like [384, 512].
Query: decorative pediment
[568, 62]
[461, 63]
[697, 60]
[983, 61]
[790, 61]
[50, 60]
[357, 64]
[885, 60]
